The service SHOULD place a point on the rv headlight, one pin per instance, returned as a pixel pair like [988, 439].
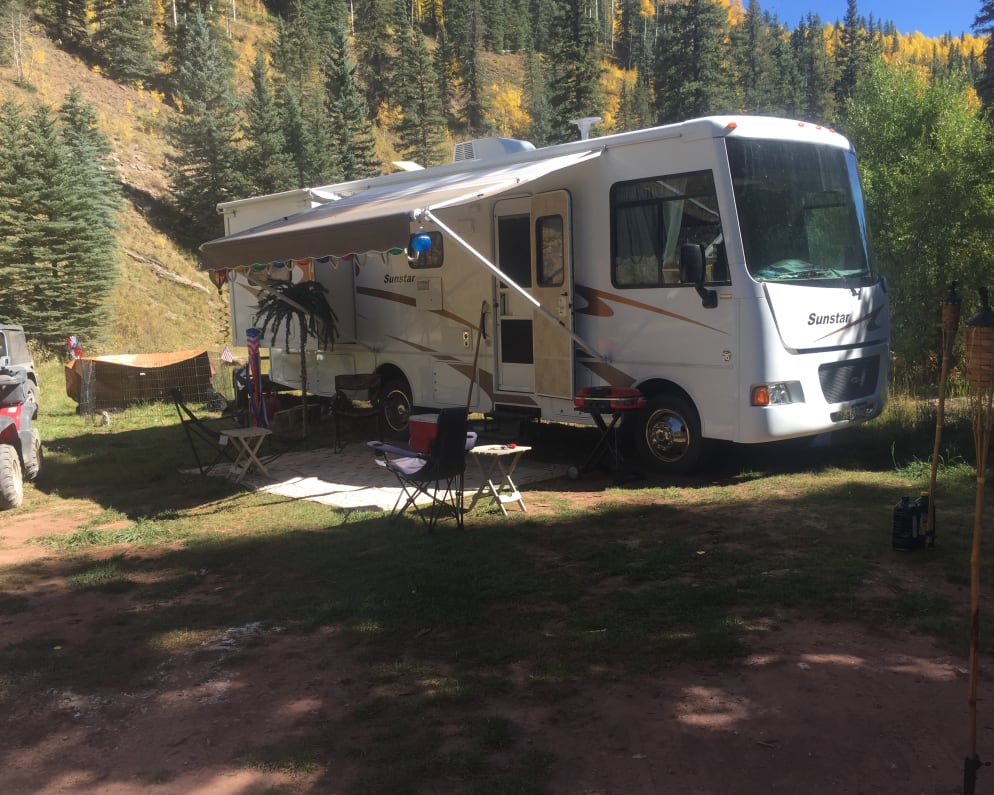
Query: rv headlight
[771, 395]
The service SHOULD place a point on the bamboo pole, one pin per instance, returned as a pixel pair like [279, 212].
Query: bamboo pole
[979, 348]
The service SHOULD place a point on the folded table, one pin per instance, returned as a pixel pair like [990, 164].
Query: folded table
[499, 460]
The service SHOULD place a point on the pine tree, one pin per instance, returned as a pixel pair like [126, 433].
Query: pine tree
[266, 165]
[92, 150]
[465, 24]
[445, 61]
[67, 19]
[16, 261]
[983, 25]
[203, 172]
[574, 70]
[852, 53]
[375, 62]
[422, 128]
[691, 69]
[90, 208]
[790, 87]
[351, 129]
[537, 103]
[816, 68]
[753, 50]
[57, 205]
[124, 39]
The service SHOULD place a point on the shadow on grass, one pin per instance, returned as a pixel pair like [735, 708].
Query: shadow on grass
[443, 624]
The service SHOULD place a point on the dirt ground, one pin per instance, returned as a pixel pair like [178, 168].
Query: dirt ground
[815, 708]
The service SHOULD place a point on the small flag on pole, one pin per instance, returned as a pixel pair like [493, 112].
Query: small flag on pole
[226, 355]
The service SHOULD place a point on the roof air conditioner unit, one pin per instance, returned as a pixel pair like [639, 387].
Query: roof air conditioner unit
[489, 148]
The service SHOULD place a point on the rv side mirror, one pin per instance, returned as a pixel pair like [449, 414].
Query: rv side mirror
[692, 272]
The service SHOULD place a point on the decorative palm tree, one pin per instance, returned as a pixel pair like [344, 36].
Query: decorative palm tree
[305, 302]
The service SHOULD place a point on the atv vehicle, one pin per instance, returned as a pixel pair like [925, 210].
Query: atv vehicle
[20, 443]
[14, 355]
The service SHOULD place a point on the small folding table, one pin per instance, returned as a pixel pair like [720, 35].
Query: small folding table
[497, 463]
[247, 442]
[598, 401]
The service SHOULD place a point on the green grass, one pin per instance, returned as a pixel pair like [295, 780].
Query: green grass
[446, 626]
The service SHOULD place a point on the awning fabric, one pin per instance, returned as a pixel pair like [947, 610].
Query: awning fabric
[375, 219]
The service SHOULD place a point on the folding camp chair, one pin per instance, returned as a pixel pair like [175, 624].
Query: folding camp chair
[203, 436]
[437, 474]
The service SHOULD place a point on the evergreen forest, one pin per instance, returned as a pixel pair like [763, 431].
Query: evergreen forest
[242, 98]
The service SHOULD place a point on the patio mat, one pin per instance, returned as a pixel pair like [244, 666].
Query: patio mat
[353, 479]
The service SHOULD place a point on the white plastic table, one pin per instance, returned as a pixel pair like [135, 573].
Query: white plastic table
[497, 463]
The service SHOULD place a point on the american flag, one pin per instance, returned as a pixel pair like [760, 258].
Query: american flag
[226, 355]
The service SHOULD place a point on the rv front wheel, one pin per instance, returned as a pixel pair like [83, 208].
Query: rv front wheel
[397, 406]
[668, 436]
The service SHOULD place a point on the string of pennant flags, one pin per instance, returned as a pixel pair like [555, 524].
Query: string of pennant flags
[279, 269]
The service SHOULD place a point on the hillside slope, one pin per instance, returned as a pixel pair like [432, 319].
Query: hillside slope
[161, 302]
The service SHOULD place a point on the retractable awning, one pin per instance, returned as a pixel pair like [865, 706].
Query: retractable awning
[377, 218]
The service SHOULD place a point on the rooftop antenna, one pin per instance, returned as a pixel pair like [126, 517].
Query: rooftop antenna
[584, 124]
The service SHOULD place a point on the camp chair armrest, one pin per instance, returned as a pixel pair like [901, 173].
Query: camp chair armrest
[382, 447]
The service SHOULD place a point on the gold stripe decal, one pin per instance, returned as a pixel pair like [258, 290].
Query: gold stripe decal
[598, 305]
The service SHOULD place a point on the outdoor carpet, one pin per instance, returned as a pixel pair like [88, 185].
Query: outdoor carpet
[353, 479]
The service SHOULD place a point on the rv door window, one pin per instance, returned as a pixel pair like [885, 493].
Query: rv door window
[551, 259]
[652, 218]
[514, 247]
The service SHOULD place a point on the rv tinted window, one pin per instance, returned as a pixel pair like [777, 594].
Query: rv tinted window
[651, 219]
[551, 251]
[433, 257]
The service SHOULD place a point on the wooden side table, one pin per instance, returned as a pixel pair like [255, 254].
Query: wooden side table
[247, 442]
[497, 463]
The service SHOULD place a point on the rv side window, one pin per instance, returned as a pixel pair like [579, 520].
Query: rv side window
[551, 251]
[652, 218]
[433, 257]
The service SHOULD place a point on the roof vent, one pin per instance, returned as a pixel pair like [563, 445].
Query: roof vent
[489, 148]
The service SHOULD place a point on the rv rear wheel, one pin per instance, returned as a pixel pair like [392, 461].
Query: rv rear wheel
[397, 406]
[11, 477]
[668, 436]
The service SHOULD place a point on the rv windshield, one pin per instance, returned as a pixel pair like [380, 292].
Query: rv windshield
[801, 211]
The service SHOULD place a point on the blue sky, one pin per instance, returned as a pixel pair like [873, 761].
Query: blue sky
[931, 17]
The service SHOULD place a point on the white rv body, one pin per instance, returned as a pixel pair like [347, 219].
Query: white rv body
[589, 237]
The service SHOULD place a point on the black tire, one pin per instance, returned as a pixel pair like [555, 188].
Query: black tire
[11, 478]
[33, 457]
[397, 404]
[32, 399]
[668, 435]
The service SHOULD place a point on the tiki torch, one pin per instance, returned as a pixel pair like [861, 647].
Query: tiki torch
[979, 348]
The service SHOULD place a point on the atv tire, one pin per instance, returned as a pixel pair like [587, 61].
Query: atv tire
[11, 478]
[32, 457]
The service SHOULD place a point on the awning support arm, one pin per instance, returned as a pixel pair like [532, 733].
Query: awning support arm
[427, 215]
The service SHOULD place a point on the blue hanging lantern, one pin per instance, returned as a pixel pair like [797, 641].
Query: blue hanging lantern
[420, 241]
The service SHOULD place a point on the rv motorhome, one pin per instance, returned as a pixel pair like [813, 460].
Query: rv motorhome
[721, 266]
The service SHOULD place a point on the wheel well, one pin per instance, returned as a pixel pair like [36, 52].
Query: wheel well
[660, 386]
[390, 372]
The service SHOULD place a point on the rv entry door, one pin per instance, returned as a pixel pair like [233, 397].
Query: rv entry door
[535, 354]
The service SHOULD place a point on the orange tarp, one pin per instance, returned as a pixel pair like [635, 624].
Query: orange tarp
[102, 382]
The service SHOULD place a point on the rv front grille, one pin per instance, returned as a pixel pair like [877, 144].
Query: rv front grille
[849, 380]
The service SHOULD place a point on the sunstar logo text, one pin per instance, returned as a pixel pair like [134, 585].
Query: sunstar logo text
[388, 279]
[824, 320]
